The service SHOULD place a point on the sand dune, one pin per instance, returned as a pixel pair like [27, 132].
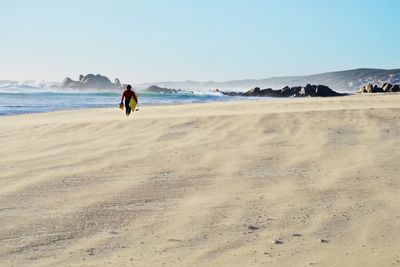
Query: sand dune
[293, 182]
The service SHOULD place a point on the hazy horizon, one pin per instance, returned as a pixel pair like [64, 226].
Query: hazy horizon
[193, 81]
[160, 41]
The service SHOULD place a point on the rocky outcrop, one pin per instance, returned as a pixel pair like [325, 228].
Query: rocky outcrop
[91, 81]
[117, 82]
[157, 89]
[296, 91]
[384, 88]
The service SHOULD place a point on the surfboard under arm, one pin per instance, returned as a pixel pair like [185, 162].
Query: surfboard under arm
[132, 104]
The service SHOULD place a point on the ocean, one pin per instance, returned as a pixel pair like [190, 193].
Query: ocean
[22, 98]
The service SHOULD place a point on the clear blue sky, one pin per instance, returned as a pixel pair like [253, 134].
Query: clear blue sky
[150, 40]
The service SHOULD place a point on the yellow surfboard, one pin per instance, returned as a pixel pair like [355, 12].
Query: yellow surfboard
[132, 104]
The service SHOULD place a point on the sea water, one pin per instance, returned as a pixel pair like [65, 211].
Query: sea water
[21, 98]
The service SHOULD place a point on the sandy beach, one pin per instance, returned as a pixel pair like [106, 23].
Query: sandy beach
[291, 182]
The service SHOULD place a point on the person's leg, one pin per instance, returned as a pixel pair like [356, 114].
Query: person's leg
[127, 107]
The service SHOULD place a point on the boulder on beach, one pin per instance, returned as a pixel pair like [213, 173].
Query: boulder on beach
[265, 92]
[286, 91]
[324, 91]
[375, 88]
[395, 88]
[296, 91]
[368, 88]
[253, 92]
[386, 87]
[308, 90]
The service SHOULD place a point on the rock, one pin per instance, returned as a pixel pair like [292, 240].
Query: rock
[297, 235]
[325, 91]
[278, 242]
[386, 87]
[229, 93]
[324, 241]
[253, 92]
[117, 82]
[67, 81]
[96, 81]
[368, 88]
[395, 88]
[265, 92]
[157, 89]
[286, 91]
[377, 89]
[252, 227]
[90, 81]
[308, 90]
[315, 90]
[297, 91]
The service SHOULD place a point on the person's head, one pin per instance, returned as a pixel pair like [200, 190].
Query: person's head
[129, 87]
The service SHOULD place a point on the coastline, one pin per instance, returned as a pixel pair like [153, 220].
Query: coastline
[285, 182]
[273, 101]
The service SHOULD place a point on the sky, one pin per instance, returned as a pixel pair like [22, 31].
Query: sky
[173, 40]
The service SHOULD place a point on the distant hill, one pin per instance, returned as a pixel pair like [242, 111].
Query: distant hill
[342, 81]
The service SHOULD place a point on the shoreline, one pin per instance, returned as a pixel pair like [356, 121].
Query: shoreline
[242, 100]
[233, 99]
